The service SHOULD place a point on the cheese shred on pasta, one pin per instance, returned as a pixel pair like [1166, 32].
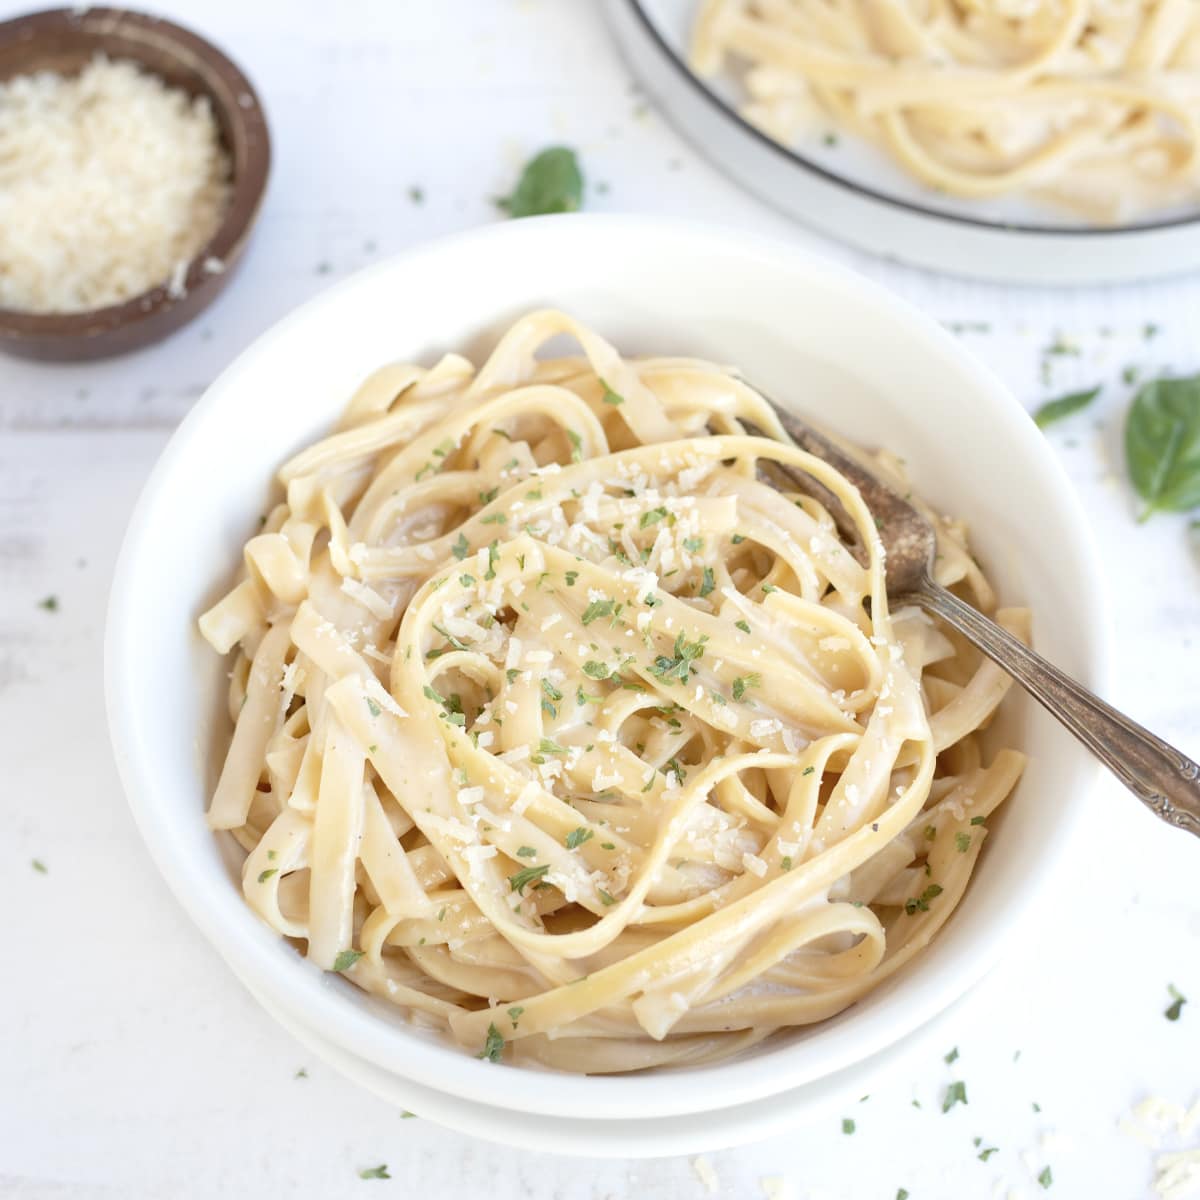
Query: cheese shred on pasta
[560, 729]
[1092, 105]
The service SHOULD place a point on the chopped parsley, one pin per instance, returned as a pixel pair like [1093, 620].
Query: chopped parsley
[847, 1125]
[346, 959]
[977, 820]
[571, 576]
[578, 836]
[576, 445]
[962, 842]
[263, 876]
[743, 626]
[605, 898]
[493, 1047]
[693, 545]
[742, 682]
[785, 863]
[611, 397]
[1045, 1178]
[379, 1172]
[987, 1153]
[949, 1058]
[597, 609]
[524, 877]
[493, 558]
[526, 852]
[495, 519]
[652, 517]
[708, 583]
[679, 666]
[373, 708]
[921, 903]
[40, 868]
[514, 1014]
[808, 770]
[460, 547]
[596, 670]
[956, 1093]
[550, 746]
[457, 643]
[49, 604]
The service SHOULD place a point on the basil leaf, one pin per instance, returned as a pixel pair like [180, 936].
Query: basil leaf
[1162, 445]
[1064, 406]
[550, 183]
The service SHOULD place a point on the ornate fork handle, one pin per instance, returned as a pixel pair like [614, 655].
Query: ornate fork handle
[1164, 779]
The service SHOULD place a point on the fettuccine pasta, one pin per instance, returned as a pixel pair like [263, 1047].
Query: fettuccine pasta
[559, 728]
[1093, 105]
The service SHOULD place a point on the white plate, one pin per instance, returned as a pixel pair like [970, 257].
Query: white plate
[812, 334]
[857, 194]
[719, 1129]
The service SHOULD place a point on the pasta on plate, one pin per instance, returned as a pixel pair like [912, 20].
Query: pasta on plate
[1091, 105]
[560, 729]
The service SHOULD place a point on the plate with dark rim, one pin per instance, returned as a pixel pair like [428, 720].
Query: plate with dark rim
[65, 40]
[850, 191]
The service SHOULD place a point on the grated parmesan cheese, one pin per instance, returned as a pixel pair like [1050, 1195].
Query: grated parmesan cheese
[110, 183]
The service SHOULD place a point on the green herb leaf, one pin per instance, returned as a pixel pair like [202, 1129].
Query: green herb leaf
[987, 1153]
[40, 868]
[847, 1125]
[1045, 1178]
[956, 1093]
[379, 1172]
[741, 683]
[576, 445]
[493, 1047]
[708, 583]
[526, 852]
[902, 1194]
[460, 547]
[693, 545]
[49, 604]
[263, 876]
[605, 897]
[611, 397]
[921, 902]
[652, 517]
[962, 842]
[550, 746]
[1162, 444]
[514, 1014]
[743, 626]
[550, 183]
[1178, 1000]
[578, 836]
[1063, 407]
[949, 1058]
[346, 959]
[597, 609]
[527, 875]
[373, 708]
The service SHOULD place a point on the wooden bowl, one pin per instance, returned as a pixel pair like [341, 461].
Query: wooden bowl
[65, 40]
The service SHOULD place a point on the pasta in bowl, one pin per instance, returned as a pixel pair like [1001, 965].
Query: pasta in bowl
[560, 729]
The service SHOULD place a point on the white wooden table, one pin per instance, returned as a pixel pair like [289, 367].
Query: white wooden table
[134, 1065]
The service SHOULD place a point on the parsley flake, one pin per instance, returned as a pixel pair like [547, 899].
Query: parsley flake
[346, 959]
[379, 1172]
[493, 1047]
[527, 875]
[956, 1093]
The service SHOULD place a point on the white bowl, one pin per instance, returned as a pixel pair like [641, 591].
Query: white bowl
[854, 191]
[810, 334]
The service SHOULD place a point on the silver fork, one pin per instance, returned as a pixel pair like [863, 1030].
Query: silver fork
[1163, 778]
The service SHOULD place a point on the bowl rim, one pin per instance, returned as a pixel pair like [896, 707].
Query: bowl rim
[318, 1002]
[247, 190]
[649, 28]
